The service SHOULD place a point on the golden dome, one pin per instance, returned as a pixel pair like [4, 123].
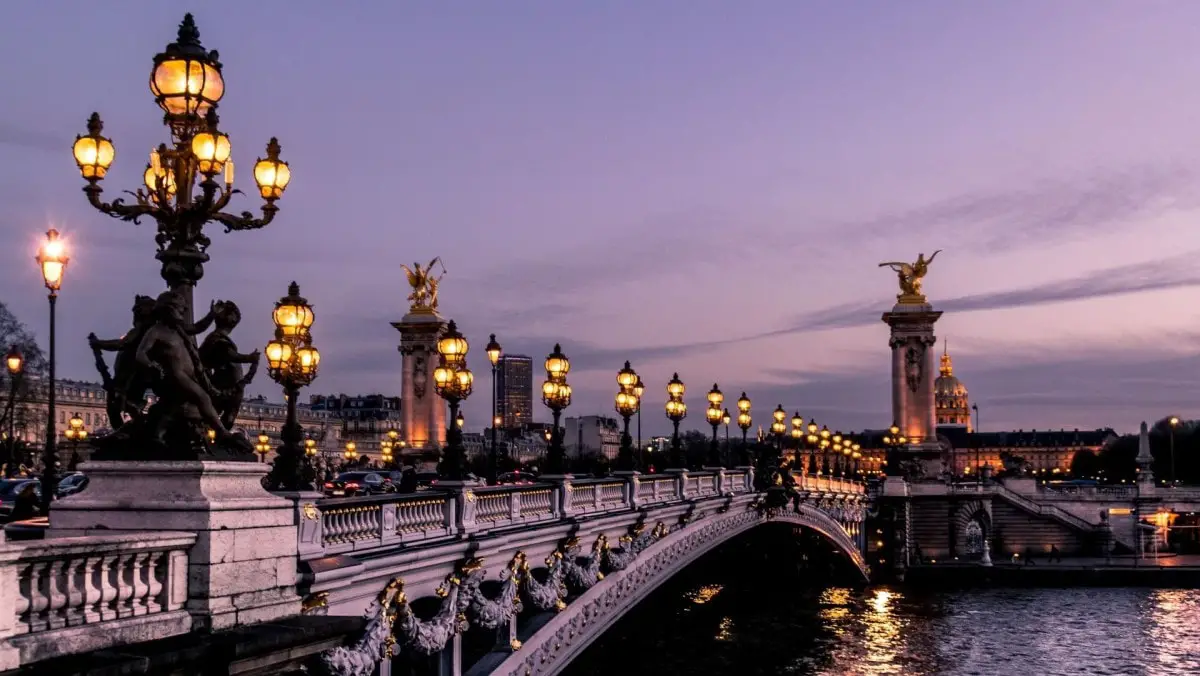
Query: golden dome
[950, 395]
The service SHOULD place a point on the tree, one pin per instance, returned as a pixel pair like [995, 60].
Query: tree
[1085, 465]
[13, 332]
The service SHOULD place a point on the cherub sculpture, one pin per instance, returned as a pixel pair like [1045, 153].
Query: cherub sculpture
[126, 387]
[424, 285]
[184, 396]
[222, 362]
[911, 275]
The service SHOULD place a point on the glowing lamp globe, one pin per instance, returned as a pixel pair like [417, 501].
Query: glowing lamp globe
[93, 153]
[743, 403]
[271, 174]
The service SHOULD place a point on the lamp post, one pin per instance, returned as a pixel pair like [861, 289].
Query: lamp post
[14, 361]
[263, 447]
[638, 390]
[292, 361]
[453, 382]
[810, 443]
[385, 452]
[181, 191]
[627, 403]
[893, 439]
[744, 421]
[556, 395]
[823, 443]
[797, 433]
[726, 419]
[676, 412]
[714, 415]
[75, 433]
[351, 452]
[778, 427]
[493, 354]
[1173, 423]
[52, 259]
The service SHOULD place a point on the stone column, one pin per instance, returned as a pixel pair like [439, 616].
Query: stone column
[423, 413]
[914, 408]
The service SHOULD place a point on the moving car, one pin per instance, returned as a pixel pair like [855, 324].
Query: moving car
[10, 489]
[358, 483]
[71, 484]
[515, 479]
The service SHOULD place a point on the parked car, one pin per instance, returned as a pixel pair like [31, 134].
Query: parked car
[10, 489]
[358, 483]
[515, 479]
[71, 484]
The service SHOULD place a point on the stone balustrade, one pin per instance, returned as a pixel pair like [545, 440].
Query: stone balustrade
[341, 525]
[63, 596]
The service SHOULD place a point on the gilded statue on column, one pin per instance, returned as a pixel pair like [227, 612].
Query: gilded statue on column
[910, 276]
[424, 296]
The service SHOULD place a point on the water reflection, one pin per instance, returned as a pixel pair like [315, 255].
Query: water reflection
[881, 631]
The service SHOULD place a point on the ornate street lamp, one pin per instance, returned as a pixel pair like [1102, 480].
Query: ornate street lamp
[14, 361]
[823, 444]
[714, 415]
[627, 404]
[638, 390]
[744, 421]
[351, 452]
[726, 419]
[1172, 423]
[493, 354]
[263, 447]
[676, 411]
[75, 433]
[556, 395]
[385, 452]
[310, 448]
[181, 191]
[453, 382]
[778, 426]
[798, 440]
[52, 258]
[292, 361]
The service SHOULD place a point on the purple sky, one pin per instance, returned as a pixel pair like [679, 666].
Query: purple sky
[702, 186]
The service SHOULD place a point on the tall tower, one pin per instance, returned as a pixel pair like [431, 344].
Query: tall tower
[514, 390]
[950, 395]
[422, 412]
[914, 406]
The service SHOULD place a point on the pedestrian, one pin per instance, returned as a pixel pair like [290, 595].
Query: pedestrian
[1029, 556]
[26, 504]
[1054, 554]
[408, 480]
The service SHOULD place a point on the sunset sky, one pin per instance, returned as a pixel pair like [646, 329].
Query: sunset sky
[698, 186]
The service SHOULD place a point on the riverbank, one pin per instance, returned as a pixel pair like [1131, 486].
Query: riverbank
[1180, 572]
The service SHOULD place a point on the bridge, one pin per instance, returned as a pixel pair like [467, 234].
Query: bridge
[464, 579]
[545, 568]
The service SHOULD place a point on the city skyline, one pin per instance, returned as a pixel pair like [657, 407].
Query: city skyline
[705, 192]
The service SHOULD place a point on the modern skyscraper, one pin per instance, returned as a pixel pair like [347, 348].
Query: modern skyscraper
[514, 390]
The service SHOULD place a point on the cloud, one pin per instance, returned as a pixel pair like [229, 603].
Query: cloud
[29, 138]
[1169, 273]
[1008, 219]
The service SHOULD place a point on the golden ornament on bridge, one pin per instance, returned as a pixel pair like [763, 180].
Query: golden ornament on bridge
[910, 276]
[424, 296]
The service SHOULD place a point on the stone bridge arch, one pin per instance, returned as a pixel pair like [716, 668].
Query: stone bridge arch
[588, 616]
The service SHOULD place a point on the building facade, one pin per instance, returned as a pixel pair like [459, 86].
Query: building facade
[951, 402]
[592, 435]
[363, 419]
[514, 390]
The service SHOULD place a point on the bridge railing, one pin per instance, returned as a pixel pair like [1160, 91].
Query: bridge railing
[342, 525]
[77, 594]
[828, 484]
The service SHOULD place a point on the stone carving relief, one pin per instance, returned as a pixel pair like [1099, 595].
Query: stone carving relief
[420, 376]
[914, 365]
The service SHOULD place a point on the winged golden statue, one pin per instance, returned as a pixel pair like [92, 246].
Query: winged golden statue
[424, 296]
[911, 275]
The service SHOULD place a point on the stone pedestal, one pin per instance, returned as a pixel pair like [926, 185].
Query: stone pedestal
[423, 415]
[914, 409]
[242, 569]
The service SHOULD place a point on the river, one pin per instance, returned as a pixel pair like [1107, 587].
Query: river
[743, 611]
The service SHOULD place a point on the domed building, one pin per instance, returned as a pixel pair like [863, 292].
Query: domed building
[950, 396]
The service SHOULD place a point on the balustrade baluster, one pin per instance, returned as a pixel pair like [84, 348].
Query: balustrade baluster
[125, 570]
[92, 588]
[57, 591]
[109, 579]
[137, 601]
[76, 588]
[156, 573]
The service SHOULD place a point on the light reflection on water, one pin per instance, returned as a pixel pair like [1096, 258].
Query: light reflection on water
[888, 630]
